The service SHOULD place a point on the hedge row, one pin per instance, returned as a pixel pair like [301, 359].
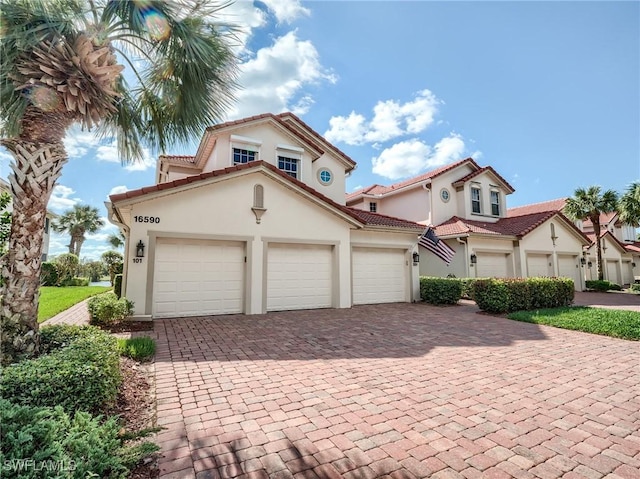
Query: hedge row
[519, 294]
[499, 295]
[602, 285]
[80, 372]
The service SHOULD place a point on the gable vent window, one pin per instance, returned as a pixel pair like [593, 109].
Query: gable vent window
[241, 156]
[289, 166]
[258, 196]
[475, 201]
[495, 203]
[373, 207]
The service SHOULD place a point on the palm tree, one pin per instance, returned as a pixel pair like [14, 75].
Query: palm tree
[629, 205]
[589, 204]
[116, 240]
[78, 221]
[62, 63]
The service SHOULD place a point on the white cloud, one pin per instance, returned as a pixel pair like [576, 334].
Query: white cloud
[403, 159]
[61, 199]
[78, 142]
[286, 10]
[390, 120]
[447, 150]
[117, 190]
[274, 79]
[109, 153]
[408, 158]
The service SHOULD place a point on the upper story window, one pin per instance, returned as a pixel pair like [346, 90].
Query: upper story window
[495, 203]
[325, 176]
[241, 156]
[475, 200]
[444, 194]
[628, 233]
[289, 165]
[373, 207]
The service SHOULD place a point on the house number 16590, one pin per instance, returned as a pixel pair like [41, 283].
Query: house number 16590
[146, 219]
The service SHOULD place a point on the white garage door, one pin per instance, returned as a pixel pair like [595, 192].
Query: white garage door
[612, 272]
[197, 277]
[299, 276]
[568, 268]
[379, 275]
[537, 265]
[491, 265]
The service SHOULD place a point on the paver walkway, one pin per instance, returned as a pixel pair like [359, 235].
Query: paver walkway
[77, 315]
[401, 391]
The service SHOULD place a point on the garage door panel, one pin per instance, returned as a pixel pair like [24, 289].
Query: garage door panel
[379, 275]
[612, 272]
[568, 268]
[491, 265]
[197, 277]
[299, 276]
[537, 265]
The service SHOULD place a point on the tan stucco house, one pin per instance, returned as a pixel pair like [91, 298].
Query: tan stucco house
[256, 221]
[467, 205]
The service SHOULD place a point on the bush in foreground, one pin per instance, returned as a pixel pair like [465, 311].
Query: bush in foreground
[81, 376]
[106, 309]
[517, 294]
[440, 290]
[60, 445]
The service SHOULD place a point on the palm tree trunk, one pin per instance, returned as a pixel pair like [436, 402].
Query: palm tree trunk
[36, 168]
[78, 245]
[596, 230]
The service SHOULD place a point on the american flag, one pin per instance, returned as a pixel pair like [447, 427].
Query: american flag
[442, 250]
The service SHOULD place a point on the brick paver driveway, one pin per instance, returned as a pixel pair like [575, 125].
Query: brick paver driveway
[400, 391]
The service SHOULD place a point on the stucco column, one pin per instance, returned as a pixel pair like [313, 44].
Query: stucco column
[255, 272]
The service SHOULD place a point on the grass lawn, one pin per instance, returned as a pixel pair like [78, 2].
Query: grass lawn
[607, 322]
[54, 300]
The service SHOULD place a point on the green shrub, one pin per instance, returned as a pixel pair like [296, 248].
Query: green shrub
[140, 349]
[105, 309]
[84, 375]
[75, 282]
[516, 294]
[467, 287]
[117, 285]
[602, 285]
[60, 336]
[67, 265]
[63, 446]
[440, 290]
[48, 274]
[635, 287]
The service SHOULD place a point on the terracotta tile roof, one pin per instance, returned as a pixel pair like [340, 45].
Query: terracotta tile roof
[551, 205]
[633, 247]
[473, 174]
[376, 219]
[381, 190]
[364, 217]
[603, 233]
[518, 226]
[605, 219]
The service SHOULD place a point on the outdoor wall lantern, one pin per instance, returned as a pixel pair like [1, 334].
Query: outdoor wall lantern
[416, 258]
[633, 265]
[140, 249]
[474, 259]
[583, 261]
[589, 264]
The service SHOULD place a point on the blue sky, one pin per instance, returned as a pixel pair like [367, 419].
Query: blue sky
[548, 93]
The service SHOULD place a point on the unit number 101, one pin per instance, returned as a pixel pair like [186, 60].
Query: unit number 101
[146, 219]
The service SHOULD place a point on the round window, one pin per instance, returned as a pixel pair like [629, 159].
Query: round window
[325, 176]
[444, 194]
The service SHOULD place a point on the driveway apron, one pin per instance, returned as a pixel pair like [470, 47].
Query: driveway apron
[396, 390]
